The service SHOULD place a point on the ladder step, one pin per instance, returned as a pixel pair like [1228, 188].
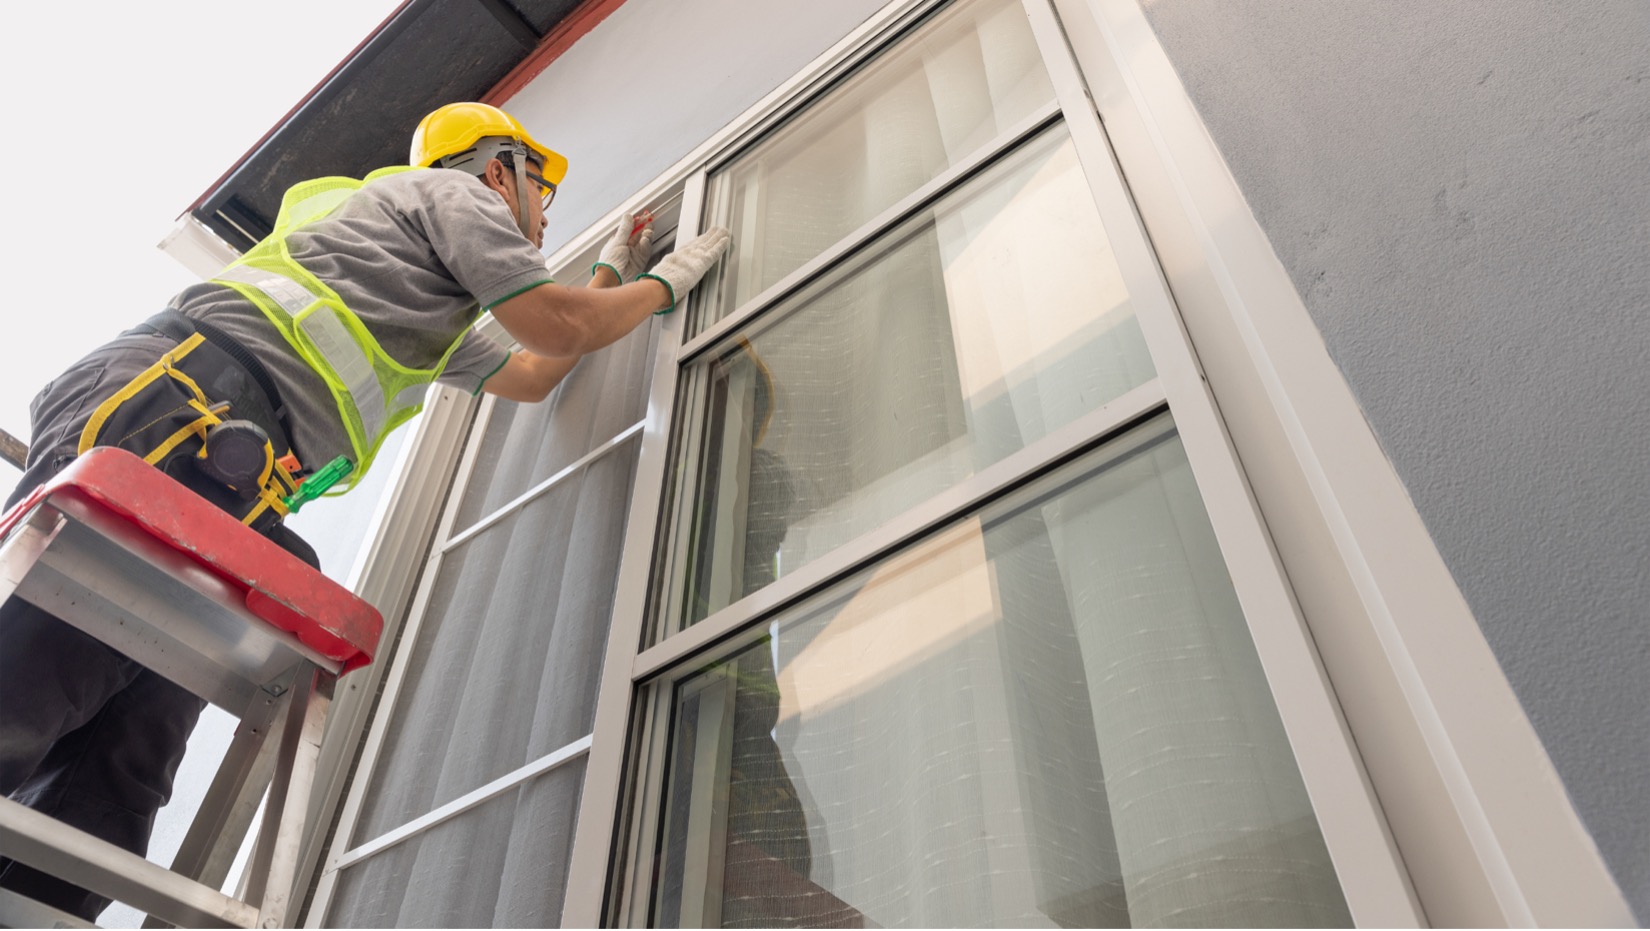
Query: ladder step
[53, 847]
[20, 911]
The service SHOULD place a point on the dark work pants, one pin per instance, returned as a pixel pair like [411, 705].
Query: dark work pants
[86, 735]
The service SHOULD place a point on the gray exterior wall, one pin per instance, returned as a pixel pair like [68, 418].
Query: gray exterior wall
[1461, 193]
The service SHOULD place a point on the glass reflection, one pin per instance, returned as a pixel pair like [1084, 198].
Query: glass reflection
[898, 123]
[1051, 715]
[981, 325]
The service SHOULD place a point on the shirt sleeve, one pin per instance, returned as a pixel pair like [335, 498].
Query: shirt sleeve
[475, 360]
[475, 236]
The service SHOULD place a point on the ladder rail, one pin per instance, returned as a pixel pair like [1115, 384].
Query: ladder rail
[226, 813]
[52, 847]
[273, 876]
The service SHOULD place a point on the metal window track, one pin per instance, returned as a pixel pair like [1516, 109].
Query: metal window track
[463, 803]
[542, 487]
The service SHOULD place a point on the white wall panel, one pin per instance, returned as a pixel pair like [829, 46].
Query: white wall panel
[658, 77]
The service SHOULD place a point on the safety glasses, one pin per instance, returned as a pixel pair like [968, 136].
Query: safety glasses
[546, 189]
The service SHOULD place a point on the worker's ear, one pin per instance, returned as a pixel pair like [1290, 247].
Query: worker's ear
[494, 174]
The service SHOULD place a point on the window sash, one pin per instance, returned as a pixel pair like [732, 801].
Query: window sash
[993, 482]
[903, 581]
[1349, 816]
[915, 108]
[997, 391]
[910, 205]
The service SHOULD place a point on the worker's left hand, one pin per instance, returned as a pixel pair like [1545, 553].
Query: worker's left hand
[682, 269]
[627, 250]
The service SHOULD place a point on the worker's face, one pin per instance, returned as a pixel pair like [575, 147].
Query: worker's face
[535, 205]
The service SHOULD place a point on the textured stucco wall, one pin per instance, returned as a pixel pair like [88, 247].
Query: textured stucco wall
[1461, 193]
[659, 77]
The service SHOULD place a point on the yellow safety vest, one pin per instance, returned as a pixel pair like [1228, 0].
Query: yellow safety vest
[374, 393]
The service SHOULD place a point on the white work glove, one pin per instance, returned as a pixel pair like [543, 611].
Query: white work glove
[682, 269]
[626, 254]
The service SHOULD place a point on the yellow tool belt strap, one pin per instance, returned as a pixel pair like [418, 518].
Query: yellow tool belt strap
[161, 410]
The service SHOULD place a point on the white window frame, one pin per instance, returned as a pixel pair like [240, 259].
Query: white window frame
[1374, 880]
[1472, 800]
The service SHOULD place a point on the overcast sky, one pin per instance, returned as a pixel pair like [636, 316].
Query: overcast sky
[119, 115]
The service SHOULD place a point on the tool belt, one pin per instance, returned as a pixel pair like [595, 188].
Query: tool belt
[207, 414]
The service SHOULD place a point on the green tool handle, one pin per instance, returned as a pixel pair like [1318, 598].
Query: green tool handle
[317, 484]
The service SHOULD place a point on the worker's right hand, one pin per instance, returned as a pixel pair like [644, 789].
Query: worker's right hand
[627, 250]
[682, 269]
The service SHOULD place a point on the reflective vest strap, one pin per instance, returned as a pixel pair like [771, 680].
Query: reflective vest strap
[292, 296]
[411, 396]
[330, 337]
[333, 340]
[371, 390]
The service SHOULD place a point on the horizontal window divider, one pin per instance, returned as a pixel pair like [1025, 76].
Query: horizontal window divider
[464, 803]
[542, 487]
[910, 205]
[991, 483]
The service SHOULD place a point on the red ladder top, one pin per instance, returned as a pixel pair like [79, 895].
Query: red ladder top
[279, 588]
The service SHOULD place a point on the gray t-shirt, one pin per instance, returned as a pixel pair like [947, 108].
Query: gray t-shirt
[413, 255]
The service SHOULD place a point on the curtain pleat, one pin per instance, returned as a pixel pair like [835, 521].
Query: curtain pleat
[506, 667]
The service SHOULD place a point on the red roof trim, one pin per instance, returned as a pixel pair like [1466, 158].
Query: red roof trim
[573, 27]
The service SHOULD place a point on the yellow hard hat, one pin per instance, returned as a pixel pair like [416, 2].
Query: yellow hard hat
[457, 127]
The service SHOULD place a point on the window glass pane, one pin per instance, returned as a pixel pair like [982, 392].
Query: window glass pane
[894, 126]
[506, 667]
[502, 864]
[1050, 714]
[977, 327]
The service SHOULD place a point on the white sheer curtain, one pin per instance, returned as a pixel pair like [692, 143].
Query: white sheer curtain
[1213, 825]
[1051, 715]
[505, 668]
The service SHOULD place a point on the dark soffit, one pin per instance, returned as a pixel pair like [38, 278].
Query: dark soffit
[361, 117]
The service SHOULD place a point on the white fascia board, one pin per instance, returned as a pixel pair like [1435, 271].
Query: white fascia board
[197, 248]
[1476, 806]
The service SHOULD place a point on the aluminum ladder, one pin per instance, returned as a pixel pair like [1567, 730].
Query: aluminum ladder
[121, 551]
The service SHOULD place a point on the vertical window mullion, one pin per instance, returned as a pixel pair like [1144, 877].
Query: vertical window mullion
[652, 737]
[599, 803]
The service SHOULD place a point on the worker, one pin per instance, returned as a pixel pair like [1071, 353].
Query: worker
[293, 364]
